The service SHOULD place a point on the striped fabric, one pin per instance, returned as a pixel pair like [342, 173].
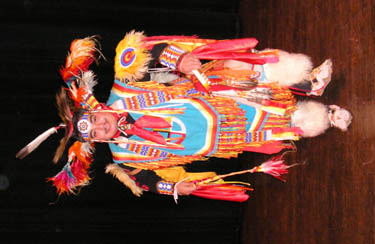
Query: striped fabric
[89, 102]
[170, 57]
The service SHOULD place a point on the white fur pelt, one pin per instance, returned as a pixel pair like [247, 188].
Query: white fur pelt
[291, 69]
[311, 117]
[163, 77]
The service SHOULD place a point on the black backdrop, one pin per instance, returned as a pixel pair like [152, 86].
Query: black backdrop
[35, 37]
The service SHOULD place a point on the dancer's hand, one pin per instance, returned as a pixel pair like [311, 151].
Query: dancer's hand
[189, 63]
[185, 188]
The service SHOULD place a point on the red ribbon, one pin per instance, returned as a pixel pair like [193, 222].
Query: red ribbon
[151, 122]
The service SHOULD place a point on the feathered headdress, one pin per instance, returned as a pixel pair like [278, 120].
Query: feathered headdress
[131, 62]
[75, 96]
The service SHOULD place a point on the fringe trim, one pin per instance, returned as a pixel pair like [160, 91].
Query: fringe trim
[232, 127]
[179, 90]
[167, 162]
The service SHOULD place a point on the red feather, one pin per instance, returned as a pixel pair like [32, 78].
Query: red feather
[82, 54]
[75, 173]
[71, 177]
[234, 45]
[224, 192]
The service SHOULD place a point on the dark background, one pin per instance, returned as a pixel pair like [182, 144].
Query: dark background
[329, 199]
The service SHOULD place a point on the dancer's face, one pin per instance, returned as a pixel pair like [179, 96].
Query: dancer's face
[101, 125]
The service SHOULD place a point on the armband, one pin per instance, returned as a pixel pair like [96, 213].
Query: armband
[165, 187]
[171, 56]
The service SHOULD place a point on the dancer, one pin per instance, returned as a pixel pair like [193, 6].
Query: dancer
[154, 129]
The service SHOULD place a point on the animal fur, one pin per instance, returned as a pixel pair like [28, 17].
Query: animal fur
[291, 69]
[311, 117]
[163, 77]
[122, 176]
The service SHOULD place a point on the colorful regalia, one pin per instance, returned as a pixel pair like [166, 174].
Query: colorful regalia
[187, 120]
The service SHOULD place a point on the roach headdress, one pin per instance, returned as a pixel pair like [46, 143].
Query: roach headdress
[77, 95]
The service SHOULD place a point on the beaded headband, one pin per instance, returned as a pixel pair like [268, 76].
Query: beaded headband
[84, 126]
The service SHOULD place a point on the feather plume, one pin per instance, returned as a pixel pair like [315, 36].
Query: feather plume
[36, 142]
[274, 167]
[74, 175]
[71, 177]
[88, 81]
[209, 188]
[122, 176]
[82, 54]
[81, 150]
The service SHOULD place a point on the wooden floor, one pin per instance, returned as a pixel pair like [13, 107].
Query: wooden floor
[330, 199]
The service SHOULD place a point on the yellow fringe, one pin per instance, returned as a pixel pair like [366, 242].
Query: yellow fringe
[177, 90]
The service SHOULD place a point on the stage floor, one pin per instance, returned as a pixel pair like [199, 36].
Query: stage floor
[329, 199]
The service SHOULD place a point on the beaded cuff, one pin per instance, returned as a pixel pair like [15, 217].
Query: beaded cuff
[171, 56]
[165, 187]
